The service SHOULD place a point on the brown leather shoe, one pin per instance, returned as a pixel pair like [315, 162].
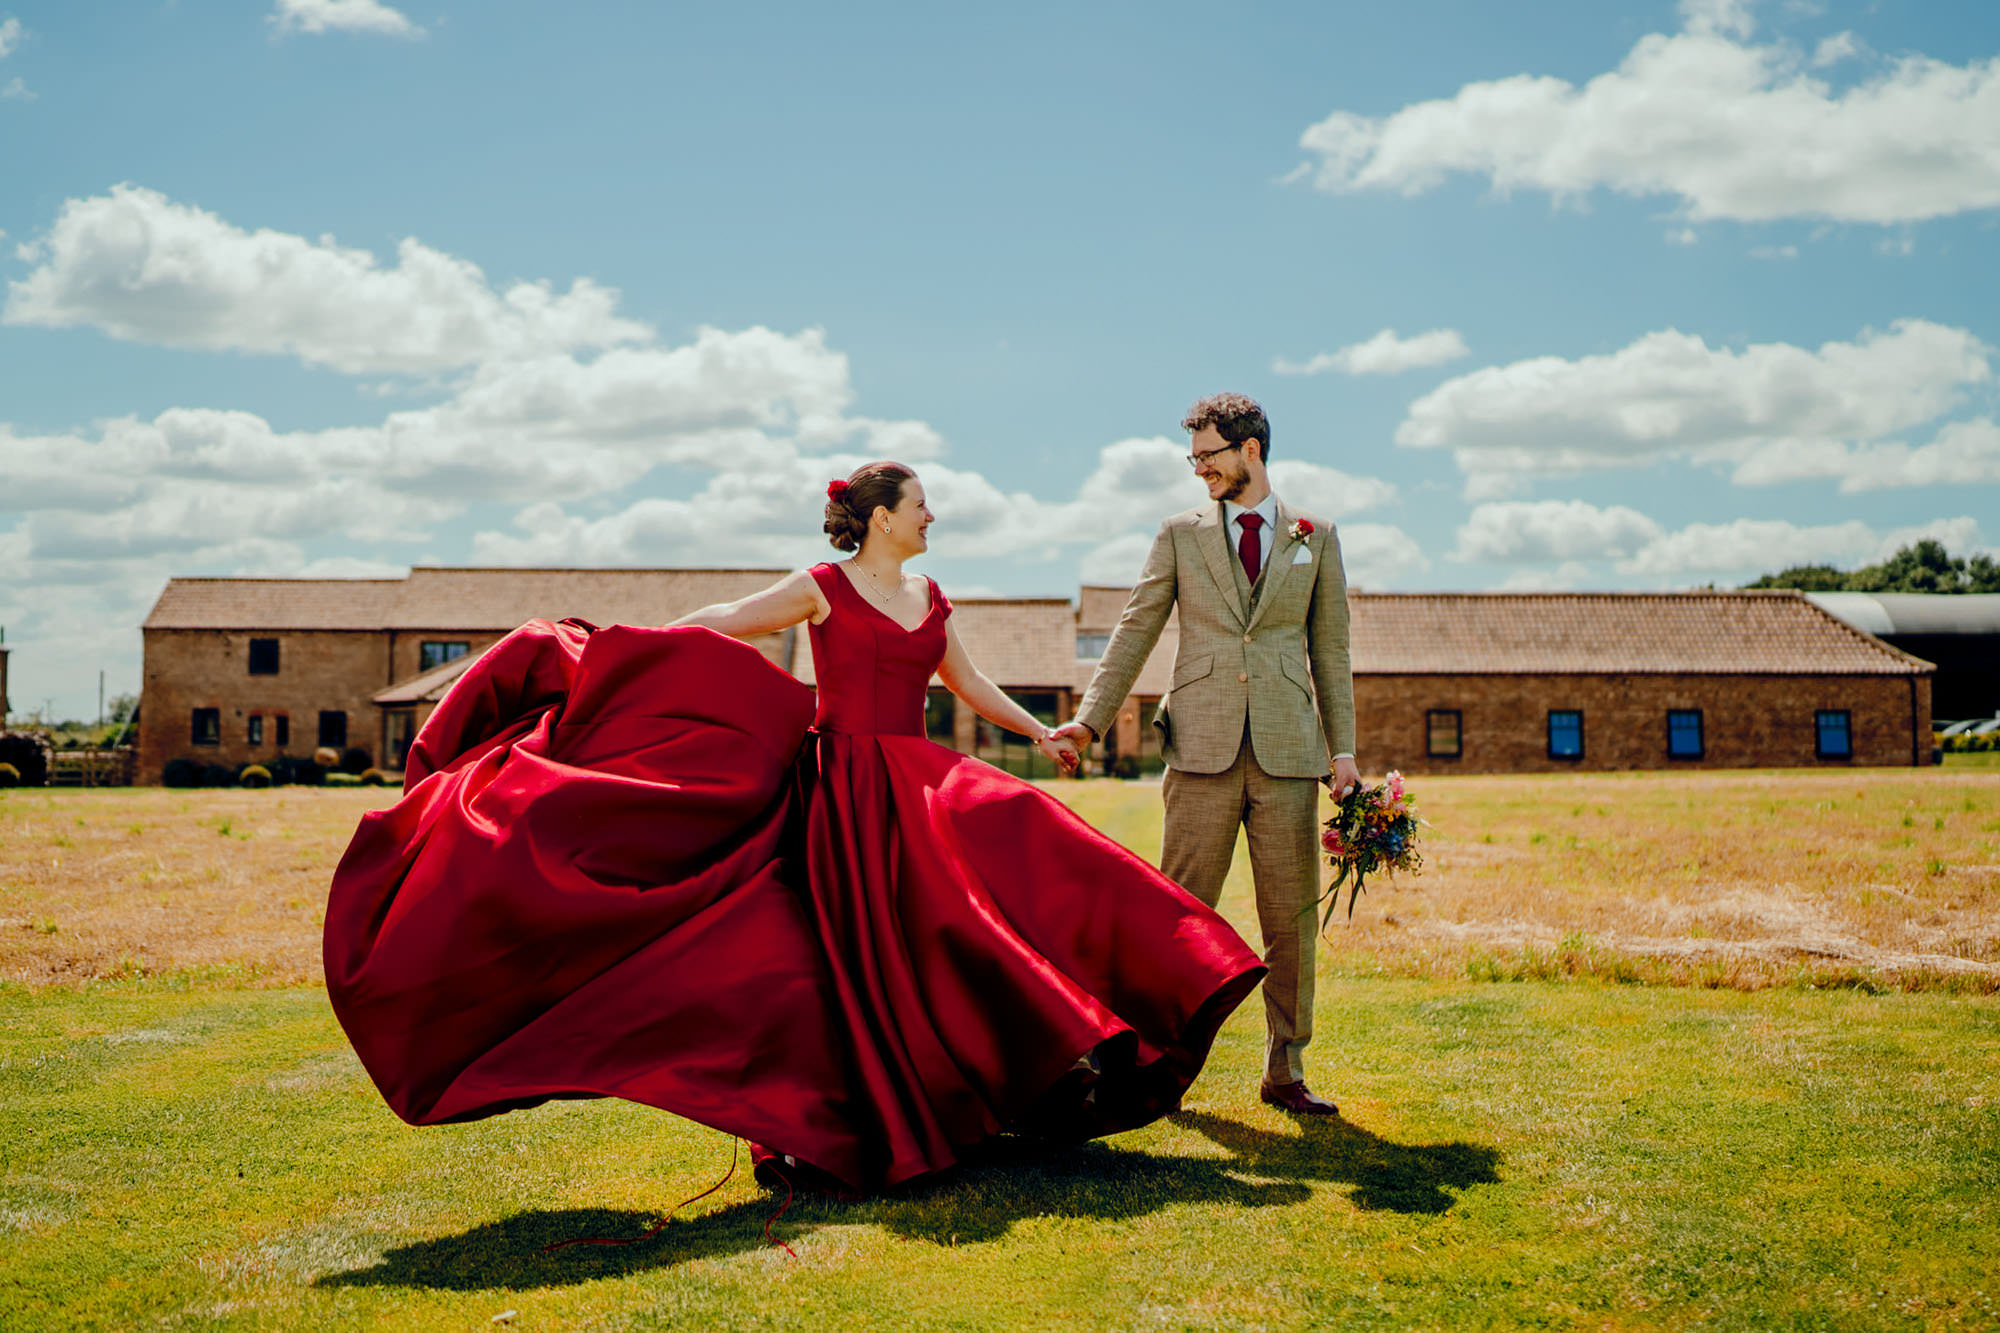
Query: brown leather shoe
[1296, 1098]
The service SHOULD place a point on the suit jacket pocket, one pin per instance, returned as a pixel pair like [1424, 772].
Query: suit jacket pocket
[1296, 673]
[1192, 669]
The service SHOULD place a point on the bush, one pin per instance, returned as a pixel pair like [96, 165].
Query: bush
[355, 760]
[10, 776]
[254, 775]
[288, 770]
[373, 777]
[181, 773]
[27, 753]
[189, 772]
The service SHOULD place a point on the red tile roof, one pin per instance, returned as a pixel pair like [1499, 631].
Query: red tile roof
[434, 598]
[1597, 633]
[1028, 642]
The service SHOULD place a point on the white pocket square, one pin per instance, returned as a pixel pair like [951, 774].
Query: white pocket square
[1302, 556]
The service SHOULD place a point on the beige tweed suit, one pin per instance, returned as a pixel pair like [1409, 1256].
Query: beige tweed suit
[1262, 695]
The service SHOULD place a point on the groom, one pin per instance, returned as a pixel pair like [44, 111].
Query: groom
[1262, 696]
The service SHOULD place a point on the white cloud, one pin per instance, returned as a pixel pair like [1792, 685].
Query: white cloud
[17, 90]
[1569, 543]
[1379, 556]
[10, 36]
[1383, 354]
[1729, 17]
[1542, 531]
[141, 267]
[1730, 129]
[1116, 563]
[540, 416]
[1569, 576]
[1747, 547]
[1683, 236]
[1832, 50]
[317, 16]
[1671, 394]
[1963, 453]
[1318, 489]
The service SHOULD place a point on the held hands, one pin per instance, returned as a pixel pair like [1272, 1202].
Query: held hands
[1060, 750]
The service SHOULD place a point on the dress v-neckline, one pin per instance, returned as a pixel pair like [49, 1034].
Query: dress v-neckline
[855, 588]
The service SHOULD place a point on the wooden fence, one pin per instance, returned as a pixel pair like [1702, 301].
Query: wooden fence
[92, 768]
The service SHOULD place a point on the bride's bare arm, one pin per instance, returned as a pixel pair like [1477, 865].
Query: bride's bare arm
[991, 702]
[791, 599]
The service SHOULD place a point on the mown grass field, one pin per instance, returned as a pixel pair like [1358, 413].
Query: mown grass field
[1634, 1051]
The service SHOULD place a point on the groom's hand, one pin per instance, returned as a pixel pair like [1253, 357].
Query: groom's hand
[1076, 734]
[1346, 777]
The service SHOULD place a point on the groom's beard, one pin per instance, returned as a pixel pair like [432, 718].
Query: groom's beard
[1233, 487]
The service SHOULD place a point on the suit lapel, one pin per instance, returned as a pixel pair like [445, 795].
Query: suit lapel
[1279, 568]
[1212, 536]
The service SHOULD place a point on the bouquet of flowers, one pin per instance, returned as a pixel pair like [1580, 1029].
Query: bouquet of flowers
[1372, 829]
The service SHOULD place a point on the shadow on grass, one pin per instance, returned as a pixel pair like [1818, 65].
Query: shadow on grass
[1012, 1178]
[1003, 1181]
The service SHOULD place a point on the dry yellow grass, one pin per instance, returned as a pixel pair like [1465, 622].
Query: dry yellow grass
[1871, 876]
[143, 881]
[1878, 876]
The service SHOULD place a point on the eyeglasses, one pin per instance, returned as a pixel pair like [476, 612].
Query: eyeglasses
[1196, 460]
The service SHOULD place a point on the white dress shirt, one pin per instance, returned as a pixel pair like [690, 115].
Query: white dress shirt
[1232, 514]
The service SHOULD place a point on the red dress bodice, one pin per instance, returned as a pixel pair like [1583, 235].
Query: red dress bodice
[872, 673]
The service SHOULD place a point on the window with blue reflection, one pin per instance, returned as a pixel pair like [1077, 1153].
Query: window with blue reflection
[1834, 733]
[1565, 733]
[1684, 733]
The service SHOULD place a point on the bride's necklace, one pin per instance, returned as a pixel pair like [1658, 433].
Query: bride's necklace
[875, 585]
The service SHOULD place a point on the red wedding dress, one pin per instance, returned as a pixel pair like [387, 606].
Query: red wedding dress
[624, 866]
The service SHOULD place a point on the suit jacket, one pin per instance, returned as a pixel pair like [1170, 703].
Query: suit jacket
[1275, 653]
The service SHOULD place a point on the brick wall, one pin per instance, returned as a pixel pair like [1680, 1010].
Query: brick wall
[1747, 721]
[187, 669]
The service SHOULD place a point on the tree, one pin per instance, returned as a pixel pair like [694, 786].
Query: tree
[1922, 566]
[1806, 578]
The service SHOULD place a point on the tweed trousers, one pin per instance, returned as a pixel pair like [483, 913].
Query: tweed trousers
[1281, 816]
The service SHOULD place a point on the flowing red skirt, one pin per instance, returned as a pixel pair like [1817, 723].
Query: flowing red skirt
[624, 866]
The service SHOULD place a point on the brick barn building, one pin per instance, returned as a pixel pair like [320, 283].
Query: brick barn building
[243, 670]
[1542, 682]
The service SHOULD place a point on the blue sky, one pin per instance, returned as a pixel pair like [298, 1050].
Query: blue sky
[1644, 296]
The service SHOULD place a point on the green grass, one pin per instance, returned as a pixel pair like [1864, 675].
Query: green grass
[1975, 759]
[1550, 1154]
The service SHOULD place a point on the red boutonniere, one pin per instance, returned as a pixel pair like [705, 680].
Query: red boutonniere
[835, 489]
[1301, 529]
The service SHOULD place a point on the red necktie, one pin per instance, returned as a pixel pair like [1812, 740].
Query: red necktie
[1248, 548]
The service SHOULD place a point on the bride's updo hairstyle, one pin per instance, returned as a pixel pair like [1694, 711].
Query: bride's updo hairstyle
[850, 503]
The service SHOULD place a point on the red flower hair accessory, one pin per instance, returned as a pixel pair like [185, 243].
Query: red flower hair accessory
[836, 489]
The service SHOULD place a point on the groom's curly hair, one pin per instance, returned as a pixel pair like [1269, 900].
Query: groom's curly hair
[1235, 416]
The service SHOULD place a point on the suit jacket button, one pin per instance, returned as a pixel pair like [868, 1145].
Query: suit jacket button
[1242, 677]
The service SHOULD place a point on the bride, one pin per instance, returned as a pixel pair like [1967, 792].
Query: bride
[646, 863]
